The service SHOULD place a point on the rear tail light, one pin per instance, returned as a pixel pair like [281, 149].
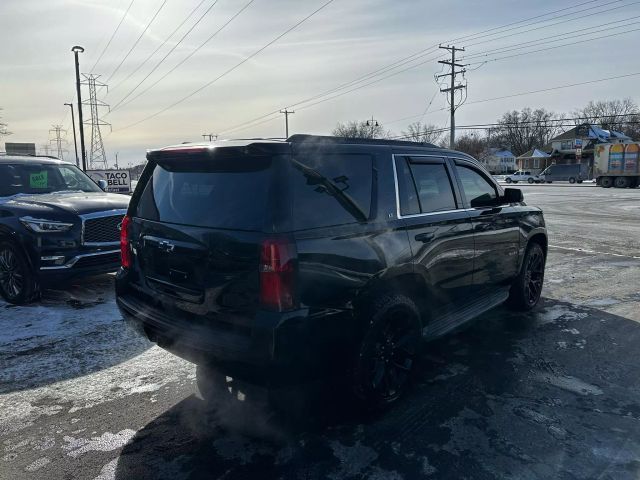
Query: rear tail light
[125, 247]
[278, 259]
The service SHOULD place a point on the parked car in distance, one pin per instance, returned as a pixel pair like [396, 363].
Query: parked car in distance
[522, 176]
[55, 224]
[571, 173]
[277, 261]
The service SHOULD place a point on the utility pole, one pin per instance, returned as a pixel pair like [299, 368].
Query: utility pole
[57, 129]
[452, 90]
[286, 121]
[45, 147]
[373, 123]
[97, 156]
[75, 142]
[116, 160]
[77, 49]
[212, 136]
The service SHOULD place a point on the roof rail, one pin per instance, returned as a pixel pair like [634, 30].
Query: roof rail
[27, 155]
[301, 138]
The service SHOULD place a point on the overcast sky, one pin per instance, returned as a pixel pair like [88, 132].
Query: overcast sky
[344, 41]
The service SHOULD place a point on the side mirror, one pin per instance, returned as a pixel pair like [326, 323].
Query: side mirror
[103, 184]
[513, 195]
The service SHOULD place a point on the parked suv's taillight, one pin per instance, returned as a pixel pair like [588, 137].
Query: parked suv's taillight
[278, 258]
[125, 248]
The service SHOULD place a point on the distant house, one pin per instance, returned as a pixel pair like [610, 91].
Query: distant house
[534, 161]
[498, 160]
[564, 147]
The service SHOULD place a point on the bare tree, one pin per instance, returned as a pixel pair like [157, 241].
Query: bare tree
[619, 115]
[423, 133]
[362, 129]
[471, 143]
[3, 127]
[520, 131]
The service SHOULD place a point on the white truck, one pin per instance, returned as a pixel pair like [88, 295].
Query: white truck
[522, 176]
[616, 165]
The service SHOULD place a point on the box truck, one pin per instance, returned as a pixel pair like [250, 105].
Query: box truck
[616, 165]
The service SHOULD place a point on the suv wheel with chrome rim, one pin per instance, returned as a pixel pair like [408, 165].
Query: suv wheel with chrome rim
[17, 282]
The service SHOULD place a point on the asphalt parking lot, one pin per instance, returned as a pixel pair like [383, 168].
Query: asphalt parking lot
[554, 393]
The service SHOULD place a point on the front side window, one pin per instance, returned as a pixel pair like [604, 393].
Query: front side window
[331, 189]
[478, 190]
[423, 187]
[34, 178]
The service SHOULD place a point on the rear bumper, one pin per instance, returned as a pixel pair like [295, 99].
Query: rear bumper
[279, 348]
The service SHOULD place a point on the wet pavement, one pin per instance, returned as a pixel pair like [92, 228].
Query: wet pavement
[554, 393]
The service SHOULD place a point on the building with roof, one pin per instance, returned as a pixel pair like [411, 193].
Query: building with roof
[534, 160]
[498, 160]
[573, 146]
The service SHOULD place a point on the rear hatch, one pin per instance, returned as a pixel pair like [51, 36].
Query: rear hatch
[197, 228]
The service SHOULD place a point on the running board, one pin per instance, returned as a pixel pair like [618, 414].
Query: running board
[453, 319]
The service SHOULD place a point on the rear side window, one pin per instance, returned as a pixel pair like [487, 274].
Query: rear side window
[424, 187]
[331, 189]
[230, 193]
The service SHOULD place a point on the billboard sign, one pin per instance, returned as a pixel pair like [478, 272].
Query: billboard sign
[20, 148]
[118, 181]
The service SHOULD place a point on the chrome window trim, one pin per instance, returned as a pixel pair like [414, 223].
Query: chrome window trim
[75, 259]
[103, 213]
[395, 178]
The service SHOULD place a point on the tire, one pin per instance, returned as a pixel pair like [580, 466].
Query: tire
[572, 180]
[508, 180]
[386, 355]
[549, 181]
[580, 181]
[531, 180]
[527, 287]
[621, 182]
[606, 182]
[18, 283]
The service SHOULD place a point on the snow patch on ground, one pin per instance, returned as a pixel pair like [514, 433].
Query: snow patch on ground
[571, 384]
[108, 471]
[38, 464]
[107, 442]
[353, 460]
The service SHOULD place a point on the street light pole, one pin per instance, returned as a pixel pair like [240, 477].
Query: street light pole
[77, 49]
[73, 124]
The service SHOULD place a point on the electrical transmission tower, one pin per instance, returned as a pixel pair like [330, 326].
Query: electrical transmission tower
[58, 140]
[97, 156]
[451, 99]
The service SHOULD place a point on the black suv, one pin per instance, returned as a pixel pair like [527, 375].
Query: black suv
[268, 260]
[55, 224]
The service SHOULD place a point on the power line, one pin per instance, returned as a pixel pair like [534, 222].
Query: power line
[257, 52]
[193, 52]
[554, 47]
[544, 40]
[144, 62]
[416, 56]
[589, 82]
[157, 65]
[112, 36]
[135, 44]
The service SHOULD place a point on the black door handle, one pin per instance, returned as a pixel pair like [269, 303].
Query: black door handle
[424, 237]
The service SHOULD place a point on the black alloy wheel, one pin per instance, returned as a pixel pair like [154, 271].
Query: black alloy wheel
[534, 275]
[527, 287]
[11, 278]
[388, 351]
[17, 283]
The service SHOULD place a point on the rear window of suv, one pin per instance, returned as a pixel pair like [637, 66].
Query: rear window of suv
[229, 193]
[331, 189]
